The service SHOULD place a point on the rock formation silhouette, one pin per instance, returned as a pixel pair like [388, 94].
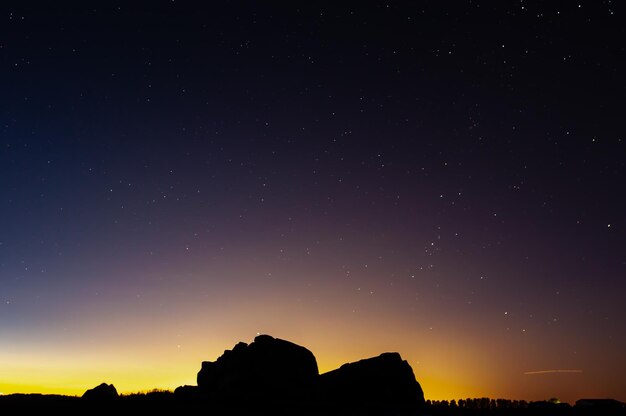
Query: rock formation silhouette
[266, 368]
[378, 382]
[101, 393]
[278, 373]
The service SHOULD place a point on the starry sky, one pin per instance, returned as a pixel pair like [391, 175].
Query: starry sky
[442, 179]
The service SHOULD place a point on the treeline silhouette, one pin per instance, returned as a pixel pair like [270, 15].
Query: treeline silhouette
[501, 407]
[166, 402]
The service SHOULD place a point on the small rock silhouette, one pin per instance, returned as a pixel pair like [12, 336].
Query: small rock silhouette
[102, 392]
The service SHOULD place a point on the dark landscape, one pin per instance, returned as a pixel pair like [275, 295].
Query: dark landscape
[271, 376]
[420, 200]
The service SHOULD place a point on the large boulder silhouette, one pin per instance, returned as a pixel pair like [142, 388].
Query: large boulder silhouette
[268, 370]
[103, 392]
[274, 374]
[379, 384]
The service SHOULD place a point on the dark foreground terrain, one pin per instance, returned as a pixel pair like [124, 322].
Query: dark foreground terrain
[169, 403]
[502, 407]
[271, 376]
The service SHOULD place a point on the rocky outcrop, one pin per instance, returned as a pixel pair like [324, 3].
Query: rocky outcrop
[380, 382]
[103, 392]
[272, 373]
[265, 369]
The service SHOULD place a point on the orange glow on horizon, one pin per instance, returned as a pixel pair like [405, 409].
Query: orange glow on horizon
[153, 351]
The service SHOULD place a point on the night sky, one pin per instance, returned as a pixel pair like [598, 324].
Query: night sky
[444, 179]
